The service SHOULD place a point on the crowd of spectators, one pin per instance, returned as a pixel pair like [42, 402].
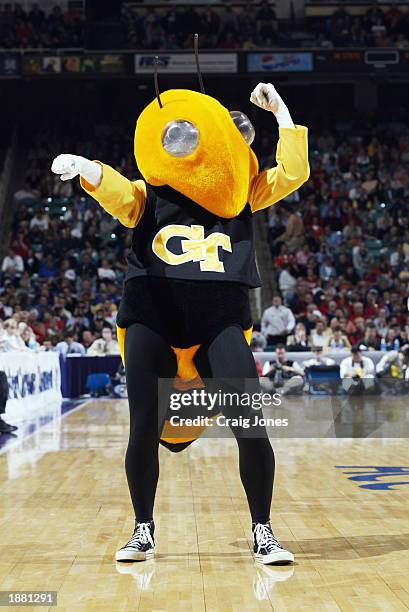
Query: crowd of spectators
[228, 27]
[36, 28]
[248, 25]
[340, 245]
[254, 25]
[355, 373]
[379, 26]
[60, 282]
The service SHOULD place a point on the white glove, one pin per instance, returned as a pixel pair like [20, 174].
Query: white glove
[69, 166]
[266, 97]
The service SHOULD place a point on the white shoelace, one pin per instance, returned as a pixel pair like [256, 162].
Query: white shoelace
[142, 535]
[264, 536]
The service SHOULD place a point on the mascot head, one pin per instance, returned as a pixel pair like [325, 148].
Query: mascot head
[190, 142]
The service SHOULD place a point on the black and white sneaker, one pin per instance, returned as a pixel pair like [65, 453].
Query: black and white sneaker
[141, 546]
[267, 549]
[6, 428]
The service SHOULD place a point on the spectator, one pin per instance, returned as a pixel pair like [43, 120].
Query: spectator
[370, 340]
[277, 322]
[87, 338]
[393, 368]
[298, 341]
[48, 268]
[105, 272]
[70, 346]
[286, 282]
[106, 345]
[11, 339]
[319, 334]
[389, 340]
[266, 21]
[337, 341]
[258, 342]
[293, 235]
[40, 221]
[327, 270]
[12, 263]
[28, 337]
[318, 359]
[283, 374]
[381, 322]
[357, 373]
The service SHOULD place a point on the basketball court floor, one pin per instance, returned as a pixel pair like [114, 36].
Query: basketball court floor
[340, 504]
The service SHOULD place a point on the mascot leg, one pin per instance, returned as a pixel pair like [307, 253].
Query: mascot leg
[227, 357]
[148, 358]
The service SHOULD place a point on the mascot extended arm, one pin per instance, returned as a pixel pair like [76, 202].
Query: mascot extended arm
[292, 168]
[120, 197]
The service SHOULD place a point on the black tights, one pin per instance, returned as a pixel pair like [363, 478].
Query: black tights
[3, 392]
[149, 358]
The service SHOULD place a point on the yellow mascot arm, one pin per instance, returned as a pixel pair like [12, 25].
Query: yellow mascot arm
[291, 172]
[120, 197]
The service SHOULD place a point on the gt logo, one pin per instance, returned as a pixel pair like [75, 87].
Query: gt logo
[195, 248]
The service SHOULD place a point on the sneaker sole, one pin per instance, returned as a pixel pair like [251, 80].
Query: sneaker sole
[134, 555]
[278, 557]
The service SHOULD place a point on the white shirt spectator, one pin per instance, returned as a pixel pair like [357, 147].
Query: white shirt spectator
[393, 358]
[105, 271]
[318, 339]
[39, 222]
[106, 274]
[11, 342]
[107, 345]
[70, 348]
[286, 281]
[277, 321]
[322, 361]
[70, 274]
[11, 262]
[101, 347]
[364, 368]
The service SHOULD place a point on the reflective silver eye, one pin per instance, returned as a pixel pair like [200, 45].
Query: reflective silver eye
[180, 138]
[244, 125]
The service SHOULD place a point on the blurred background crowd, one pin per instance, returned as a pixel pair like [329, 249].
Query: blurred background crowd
[38, 28]
[339, 246]
[223, 25]
[61, 279]
[255, 25]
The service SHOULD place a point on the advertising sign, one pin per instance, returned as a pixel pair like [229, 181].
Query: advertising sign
[280, 62]
[185, 62]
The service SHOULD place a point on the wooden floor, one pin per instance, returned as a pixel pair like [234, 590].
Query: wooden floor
[65, 509]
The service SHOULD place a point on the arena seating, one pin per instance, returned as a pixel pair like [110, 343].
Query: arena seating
[349, 263]
[351, 269]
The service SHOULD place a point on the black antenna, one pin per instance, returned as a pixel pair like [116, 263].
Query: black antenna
[199, 74]
[155, 68]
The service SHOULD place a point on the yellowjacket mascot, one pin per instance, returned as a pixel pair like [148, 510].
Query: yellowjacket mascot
[184, 313]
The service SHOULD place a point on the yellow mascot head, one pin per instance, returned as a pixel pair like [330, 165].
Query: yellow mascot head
[190, 142]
